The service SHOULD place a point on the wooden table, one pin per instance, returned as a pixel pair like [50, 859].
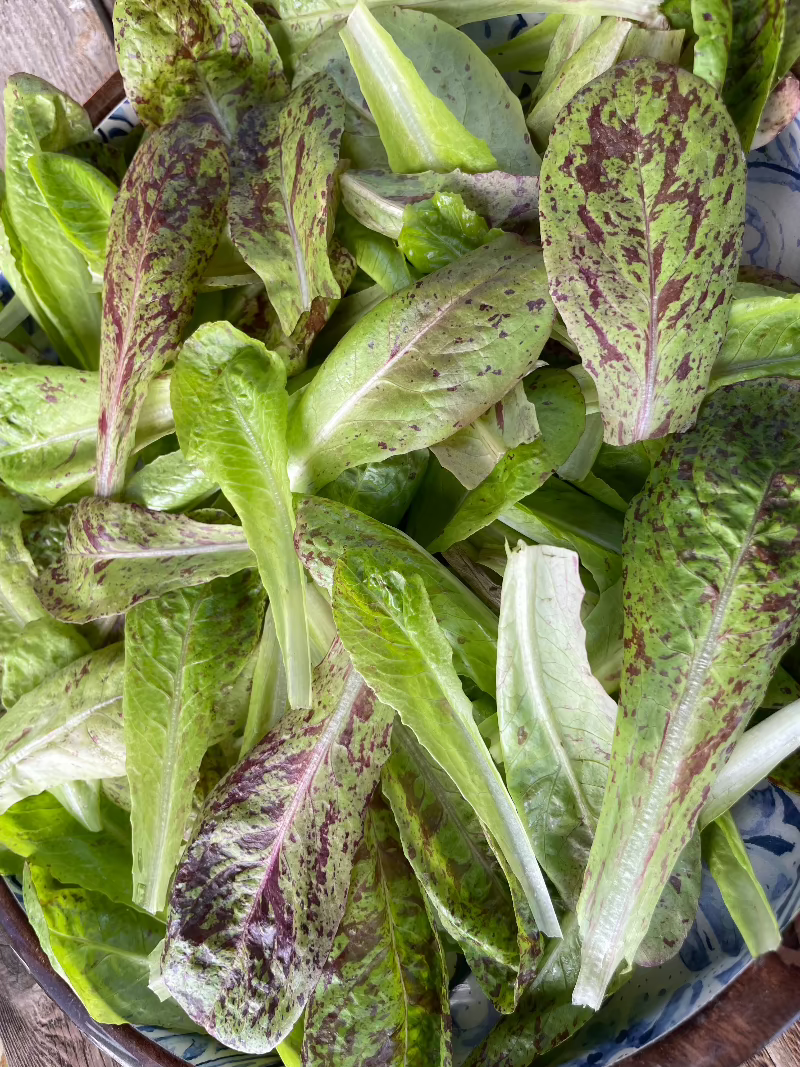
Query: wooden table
[65, 42]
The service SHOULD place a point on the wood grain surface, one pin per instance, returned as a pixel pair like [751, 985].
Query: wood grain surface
[63, 41]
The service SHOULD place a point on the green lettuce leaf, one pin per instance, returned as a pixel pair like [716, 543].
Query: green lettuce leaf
[268, 697]
[216, 51]
[758, 27]
[721, 502]
[385, 983]
[384, 490]
[180, 650]
[165, 225]
[378, 198]
[630, 302]
[556, 720]
[763, 338]
[429, 341]
[282, 195]
[416, 127]
[387, 624]
[80, 198]
[457, 869]
[259, 844]
[742, 893]
[48, 427]
[231, 412]
[441, 230]
[116, 555]
[169, 483]
[326, 530]
[569, 35]
[56, 284]
[43, 833]
[790, 49]
[19, 604]
[758, 752]
[560, 413]
[68, 727]
[102, 950]
[595, 55]
[712, 22]
[664, 45]
[528, 51]
[472, 454]
[82, 801]
[377, 255]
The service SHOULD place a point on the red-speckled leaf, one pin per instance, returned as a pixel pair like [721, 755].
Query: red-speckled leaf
[263, 887]
[218, 50]
[642, 214]
[116, 555]
[425, 362]
[382, 998]
[281, 210]
[165, 226]
[712, 582]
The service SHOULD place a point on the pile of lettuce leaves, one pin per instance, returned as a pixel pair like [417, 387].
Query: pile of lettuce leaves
[400, 515]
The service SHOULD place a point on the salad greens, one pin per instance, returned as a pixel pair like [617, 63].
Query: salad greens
[399, 496]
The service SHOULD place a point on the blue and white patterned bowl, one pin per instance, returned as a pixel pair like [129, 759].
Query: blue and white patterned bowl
[657, 1000]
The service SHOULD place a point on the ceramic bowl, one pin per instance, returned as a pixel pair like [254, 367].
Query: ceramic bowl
[658, 1000]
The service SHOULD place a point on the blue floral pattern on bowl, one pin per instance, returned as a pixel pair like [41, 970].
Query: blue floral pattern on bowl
[654, 1001]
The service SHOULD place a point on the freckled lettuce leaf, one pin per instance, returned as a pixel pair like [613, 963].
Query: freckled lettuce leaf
[457, 869]
[280, 831]
[80, 198]
[42, 647]
[595, 54]
[326, 530]
[742, 893]
[169, 483]
[218, 51]
[424, 362]
[68, 727]
[39, 830]
[712, 22]
[758, 28]
[384, 987]
[180, 650]
[620, 150]
[378, 198]
[387, 624]
[55, 278]
[545, 1016]
[116, 555]
[282, 195]
[231, 419]
[48, 427]
[763, 339]
[723, 502]
[560, 412]
[102, 950]
[165, 225]
[556, 720]
[790, 49]
[780, 110]
[381, 490]
[440, 230]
